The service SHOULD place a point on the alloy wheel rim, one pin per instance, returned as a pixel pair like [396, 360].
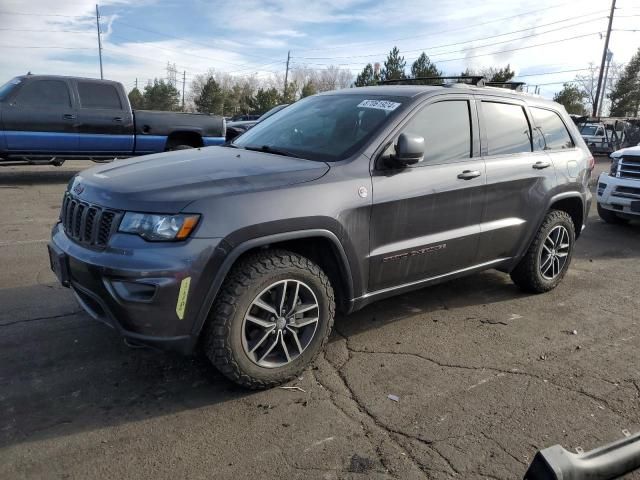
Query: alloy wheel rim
[280, 323]
[554, 252]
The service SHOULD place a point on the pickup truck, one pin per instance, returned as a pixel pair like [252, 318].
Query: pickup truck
[48, 119]
[618, 191]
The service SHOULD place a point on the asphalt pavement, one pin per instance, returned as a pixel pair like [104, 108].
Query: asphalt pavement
[483, 375]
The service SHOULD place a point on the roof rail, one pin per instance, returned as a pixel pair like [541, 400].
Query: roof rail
[517, 86]
[477, 80]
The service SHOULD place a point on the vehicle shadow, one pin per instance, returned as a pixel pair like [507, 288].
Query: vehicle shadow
[67, 374]
[10, 177]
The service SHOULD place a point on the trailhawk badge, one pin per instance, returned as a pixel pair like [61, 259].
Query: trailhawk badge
[78, 188]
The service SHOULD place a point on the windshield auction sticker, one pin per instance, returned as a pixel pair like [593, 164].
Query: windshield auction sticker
[379, 105]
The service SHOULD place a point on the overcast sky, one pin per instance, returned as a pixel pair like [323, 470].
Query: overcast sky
[244, 37]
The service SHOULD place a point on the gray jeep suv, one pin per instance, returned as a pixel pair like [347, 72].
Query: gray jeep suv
[246, 251]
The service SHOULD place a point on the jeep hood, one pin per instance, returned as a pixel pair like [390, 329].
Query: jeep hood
[168, 182]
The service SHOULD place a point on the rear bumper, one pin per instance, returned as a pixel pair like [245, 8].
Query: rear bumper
[151, 293]
[617, 194]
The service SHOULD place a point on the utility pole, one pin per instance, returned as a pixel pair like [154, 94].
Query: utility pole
[99, 40]
[136, 83]
[604, 57]
[286, 74]
[604, 83]
[184, 79]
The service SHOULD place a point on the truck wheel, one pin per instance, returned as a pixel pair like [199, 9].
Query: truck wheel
[178, 147]
[548, 258]
[272, 317]
[610, 217]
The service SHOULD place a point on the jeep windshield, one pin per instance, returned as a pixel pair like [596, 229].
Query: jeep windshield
[324, 127]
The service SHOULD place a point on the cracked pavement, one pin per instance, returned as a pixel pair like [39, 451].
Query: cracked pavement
[485, 375]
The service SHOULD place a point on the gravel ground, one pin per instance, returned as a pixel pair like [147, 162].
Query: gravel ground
[484, 374]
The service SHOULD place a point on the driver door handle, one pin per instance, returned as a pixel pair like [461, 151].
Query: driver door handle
[469, 174]
[118, 119]
[69, 116]
[540, 165]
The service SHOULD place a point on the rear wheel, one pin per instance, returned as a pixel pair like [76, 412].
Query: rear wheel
[546, 262]
[610, 217]
[178, 147]
[272, 317]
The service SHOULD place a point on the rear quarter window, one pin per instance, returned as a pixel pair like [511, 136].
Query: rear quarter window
[553, 130]
[507, 128]
[99, 95]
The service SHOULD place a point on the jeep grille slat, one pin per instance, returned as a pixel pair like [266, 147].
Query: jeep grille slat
[86, 223]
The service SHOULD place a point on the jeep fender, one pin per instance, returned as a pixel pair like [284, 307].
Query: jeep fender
[231, 254]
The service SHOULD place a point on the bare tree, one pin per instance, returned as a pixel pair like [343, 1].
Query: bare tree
[588, 84]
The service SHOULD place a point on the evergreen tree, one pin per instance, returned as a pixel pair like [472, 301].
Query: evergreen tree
[367, 77]
[265, 99]
[211, 98]
[308, 89]
[500, 74]
[161, 96]
[572, 98]
[394, 66]
[136, 99]
[423, 67]
[625, 97]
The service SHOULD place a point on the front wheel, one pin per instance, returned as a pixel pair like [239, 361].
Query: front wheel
[547, 260]
[272, 317]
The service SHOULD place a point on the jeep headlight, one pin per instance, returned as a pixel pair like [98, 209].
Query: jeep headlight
[159, 227]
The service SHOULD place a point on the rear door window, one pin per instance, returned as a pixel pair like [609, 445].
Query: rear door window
[99, 95]
[446, 129]
[507, 128]
[44, 93]
[553, 129]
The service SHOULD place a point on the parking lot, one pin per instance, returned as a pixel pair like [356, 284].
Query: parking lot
[484, 375]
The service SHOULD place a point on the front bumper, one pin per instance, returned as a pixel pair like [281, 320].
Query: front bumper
[151, 293]
[618, 194]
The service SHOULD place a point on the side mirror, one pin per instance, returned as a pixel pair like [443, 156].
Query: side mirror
[409, 150]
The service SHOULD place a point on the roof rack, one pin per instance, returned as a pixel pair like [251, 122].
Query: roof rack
[517, 86]
[477, 80]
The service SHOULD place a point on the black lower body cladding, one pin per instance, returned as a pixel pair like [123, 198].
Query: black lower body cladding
[151, 293]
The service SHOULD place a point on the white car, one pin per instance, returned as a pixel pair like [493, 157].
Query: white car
[618, 193]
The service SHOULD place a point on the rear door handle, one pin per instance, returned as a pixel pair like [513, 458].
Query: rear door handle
[469, 174]
[69, 116]
[541, 165]
[117, 119]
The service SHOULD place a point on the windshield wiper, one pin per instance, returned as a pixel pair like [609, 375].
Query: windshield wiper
[274, 150]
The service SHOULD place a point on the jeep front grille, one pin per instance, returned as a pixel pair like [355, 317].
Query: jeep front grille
[629, 167]
[86, 223]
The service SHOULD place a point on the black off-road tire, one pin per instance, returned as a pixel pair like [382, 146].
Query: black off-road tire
[610, 217]
[527, 275]
[222, 340]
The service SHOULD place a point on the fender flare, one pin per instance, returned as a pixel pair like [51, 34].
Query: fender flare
[233, 253]
[555, 198]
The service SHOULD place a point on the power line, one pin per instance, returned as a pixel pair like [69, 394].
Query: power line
[477, 39]
[44, 30]
[485, 54]
[337, 47]
[551, 73]
[49, 46]
[188, 41]
[5, 12]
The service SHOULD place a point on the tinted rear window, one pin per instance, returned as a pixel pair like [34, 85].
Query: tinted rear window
[44, 93]
[99, 95]
[507, 128]
[555, 133]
